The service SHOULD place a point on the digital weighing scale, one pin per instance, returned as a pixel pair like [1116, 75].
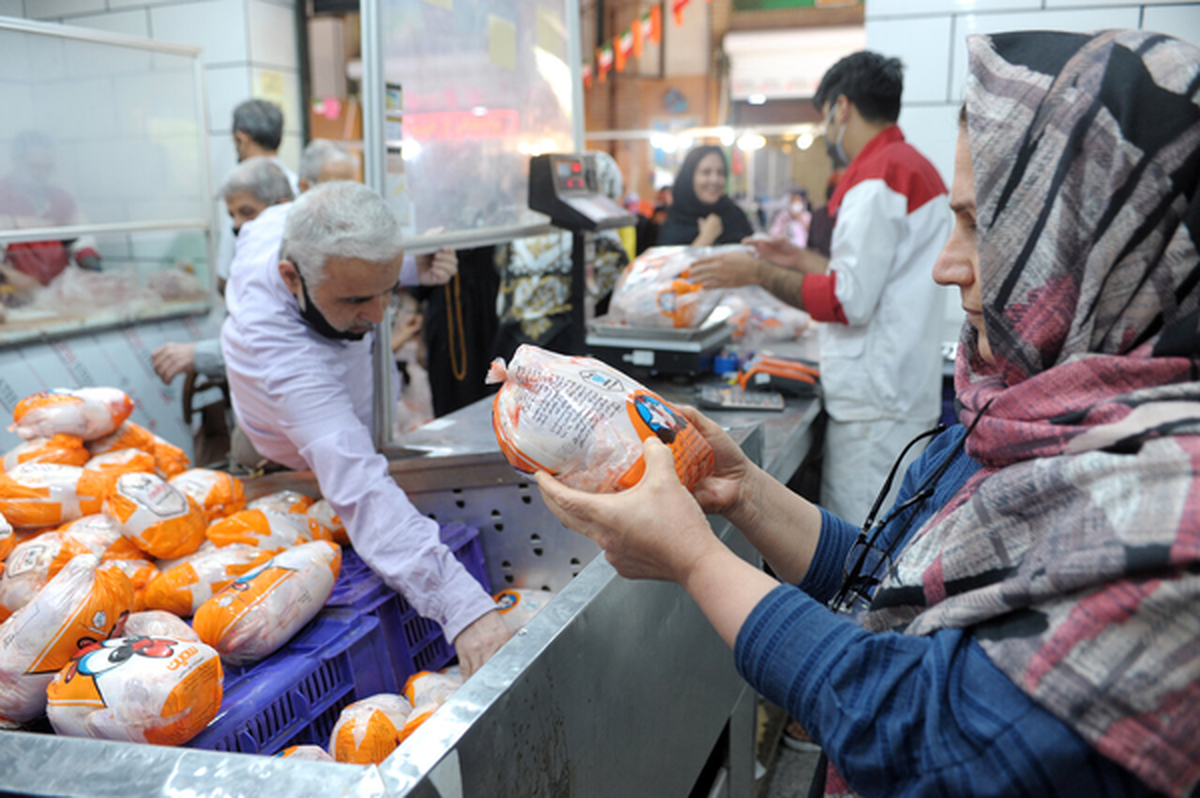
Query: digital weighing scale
[661, 350]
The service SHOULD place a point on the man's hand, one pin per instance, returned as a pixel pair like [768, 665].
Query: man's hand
[478, 642]
[438, 268]
[403, 332]
[726, 270]
[172, 359]
[777, 249]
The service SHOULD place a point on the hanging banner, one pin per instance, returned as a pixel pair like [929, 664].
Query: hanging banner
[677, 7]
[604, 61]
[623, 47]
[587, 76]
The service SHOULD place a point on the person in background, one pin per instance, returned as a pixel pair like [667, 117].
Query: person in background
[323, 161]
[310, 283]
[881, 360]
[1024, 620]
[701, 214]
[820, 228]
[255, 185]
[28, 199]
[793, 221]
[257, 132]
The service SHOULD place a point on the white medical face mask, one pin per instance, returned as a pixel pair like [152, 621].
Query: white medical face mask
[836, 152]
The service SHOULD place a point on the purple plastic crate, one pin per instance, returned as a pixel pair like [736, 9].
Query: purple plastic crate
[413, 643]
[294, 696]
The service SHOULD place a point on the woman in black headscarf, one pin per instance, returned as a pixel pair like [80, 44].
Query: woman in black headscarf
[702, 213]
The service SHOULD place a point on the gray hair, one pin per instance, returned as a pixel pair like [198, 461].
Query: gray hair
[261, 178]
[262, 121]
[340, 219]
[318, 153]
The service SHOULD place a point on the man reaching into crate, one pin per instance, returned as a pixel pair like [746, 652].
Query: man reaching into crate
[311, 280]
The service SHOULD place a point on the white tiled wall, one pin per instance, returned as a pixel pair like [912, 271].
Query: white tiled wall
[242, 40]
[929, 36]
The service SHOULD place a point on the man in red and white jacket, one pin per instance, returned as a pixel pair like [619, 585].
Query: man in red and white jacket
[881, 340]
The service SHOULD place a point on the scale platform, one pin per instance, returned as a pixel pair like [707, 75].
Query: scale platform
[661, 350]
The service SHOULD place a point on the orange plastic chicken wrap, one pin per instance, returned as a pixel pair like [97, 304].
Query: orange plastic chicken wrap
[123, 461]
[427, 691]
[269, 530]
[59, 449]
[584, 422]
[185, 587]
[78, 607]
[307, 753]
[169, 459]
[218, 494]
[654, 290]
[322, 512]
[160, 519]
[140, 572]
[283, 501]
[43, 494]
[156, 623]
[518, 606]
[368, 731]
[31, 564]
[90, 413]
[261, 611]
[8, 539]
[137, 689]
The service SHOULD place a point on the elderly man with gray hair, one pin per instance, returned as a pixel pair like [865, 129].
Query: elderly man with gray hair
[324, 161]
[309, 284]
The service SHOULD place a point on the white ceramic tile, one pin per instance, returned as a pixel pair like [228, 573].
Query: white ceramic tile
[12, 8]
[933, 130]
[80, 106]
[910, 8]
[223, 157]
[923, 44]
[131, 23]
[281, 87]
[219, 27]
[1075, 3]
[115, 4]
[226, 88]
[53, 9]
[1182, 22]
[1078, 21]
[272, 35]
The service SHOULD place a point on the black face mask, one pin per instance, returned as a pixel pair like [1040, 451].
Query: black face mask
[317, 321]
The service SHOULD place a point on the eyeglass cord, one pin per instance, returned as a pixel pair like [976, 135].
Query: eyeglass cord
[868, 536]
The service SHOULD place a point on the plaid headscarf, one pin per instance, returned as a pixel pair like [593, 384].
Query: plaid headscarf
[1073, 555]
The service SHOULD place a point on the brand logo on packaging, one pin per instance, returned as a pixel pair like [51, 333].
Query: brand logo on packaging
[601, 380]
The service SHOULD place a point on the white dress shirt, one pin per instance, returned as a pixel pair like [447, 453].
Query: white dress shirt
[306, 401]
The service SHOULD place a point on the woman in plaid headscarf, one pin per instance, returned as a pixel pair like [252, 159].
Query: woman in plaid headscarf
[1030, 607]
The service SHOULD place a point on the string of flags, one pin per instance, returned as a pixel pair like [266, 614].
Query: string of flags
[616, 54]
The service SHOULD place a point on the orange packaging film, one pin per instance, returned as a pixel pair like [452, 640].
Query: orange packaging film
[182, 589]
[42, 494]
[517, 607]
[307, 753]
[78, 607]
[160, 519]
[137, 689]
[584, 422]
[140, 572]
[427, 691]
[283, 501]
[322, 512]
[89, 413]
[169, 459]
[127, 436]
[122, 461]
[654, 290]
[156, 623]
[261, 611]
[8, 539]
[218, 494]
[368, 731]
[59, 449]
[269, 530]
[102, 535]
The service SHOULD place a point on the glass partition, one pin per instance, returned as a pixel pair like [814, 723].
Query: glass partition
[104, 194]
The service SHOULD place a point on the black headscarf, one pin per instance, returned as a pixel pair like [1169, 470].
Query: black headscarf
[686, 211]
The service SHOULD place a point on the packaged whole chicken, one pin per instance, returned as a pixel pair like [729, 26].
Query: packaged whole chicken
[182, 589]
[167, 563]
[759, 318]
[218, 494]
[368, 731]
[140, 572]
[283, 501]
[80, 606]
[31, 565]
[155, 515]
[584, 422]
[427, 691]
[654, 290]
[59, 449]
[269, 530]
[322, 512]
[44, 494]
[123, 461]
[8, 538]
[102, 535]
[169, 459]
[263, 609]
[156, 623]
[307, 753]
[137, 689]
[89, 413]
[517, 607]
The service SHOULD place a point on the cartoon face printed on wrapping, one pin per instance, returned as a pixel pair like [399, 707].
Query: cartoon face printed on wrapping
[96, 659]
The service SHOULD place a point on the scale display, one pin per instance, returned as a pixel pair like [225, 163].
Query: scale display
[564, 187]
